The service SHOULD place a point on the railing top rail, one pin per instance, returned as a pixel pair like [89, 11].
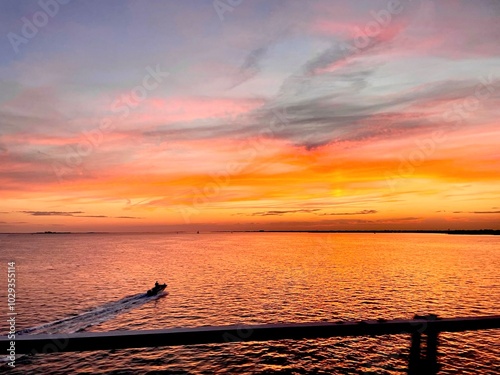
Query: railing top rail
[220, 334]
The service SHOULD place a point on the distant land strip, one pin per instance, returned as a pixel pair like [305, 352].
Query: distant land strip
[457, 231]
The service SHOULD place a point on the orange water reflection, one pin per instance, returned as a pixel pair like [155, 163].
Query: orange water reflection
[217, 279]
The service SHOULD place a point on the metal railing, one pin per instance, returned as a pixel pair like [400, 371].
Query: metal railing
[421, 326]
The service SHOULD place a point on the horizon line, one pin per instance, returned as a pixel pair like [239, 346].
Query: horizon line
[438, 231]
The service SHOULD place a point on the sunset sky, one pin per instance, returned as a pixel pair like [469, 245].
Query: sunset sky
[246, 115]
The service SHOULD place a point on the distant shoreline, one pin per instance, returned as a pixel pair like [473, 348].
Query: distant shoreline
[458, 231]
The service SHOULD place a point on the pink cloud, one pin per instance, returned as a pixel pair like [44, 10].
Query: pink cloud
[159, 111]
[40, 102]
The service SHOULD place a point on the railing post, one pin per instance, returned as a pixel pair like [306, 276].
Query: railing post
[414, 364]
[431, 364]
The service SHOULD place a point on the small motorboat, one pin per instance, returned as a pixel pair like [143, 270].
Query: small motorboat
[156, 289]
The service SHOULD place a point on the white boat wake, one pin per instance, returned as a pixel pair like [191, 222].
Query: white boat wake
[91, 317]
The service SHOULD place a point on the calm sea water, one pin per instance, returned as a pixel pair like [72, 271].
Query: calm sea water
[95, 282]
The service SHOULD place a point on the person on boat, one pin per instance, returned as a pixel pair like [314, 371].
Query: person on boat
[156, 284]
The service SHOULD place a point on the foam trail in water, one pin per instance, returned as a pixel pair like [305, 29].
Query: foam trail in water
[91, 317]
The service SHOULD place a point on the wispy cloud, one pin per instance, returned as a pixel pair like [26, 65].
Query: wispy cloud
[74, 214]
[250, 67]
[364, 212]
[52, 213]
[282, 212]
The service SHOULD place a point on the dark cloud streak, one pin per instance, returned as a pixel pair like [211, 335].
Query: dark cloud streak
[364, 212]
[52, 213]
[281, 213]
[74, 214]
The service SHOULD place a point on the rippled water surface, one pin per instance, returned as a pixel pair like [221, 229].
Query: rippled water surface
[96, 282]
